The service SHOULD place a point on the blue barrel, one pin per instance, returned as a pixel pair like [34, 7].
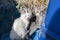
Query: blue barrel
[52, 20]
[51, 29]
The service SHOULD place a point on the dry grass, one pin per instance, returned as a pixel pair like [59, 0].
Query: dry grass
[32, 3]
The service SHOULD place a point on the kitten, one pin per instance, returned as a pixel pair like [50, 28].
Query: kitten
[19, 28]
[39, 10]
[40, 14]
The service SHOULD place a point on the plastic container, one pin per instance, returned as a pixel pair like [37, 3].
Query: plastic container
[51, 30]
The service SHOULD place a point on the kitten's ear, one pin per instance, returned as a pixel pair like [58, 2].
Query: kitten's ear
[21, 10]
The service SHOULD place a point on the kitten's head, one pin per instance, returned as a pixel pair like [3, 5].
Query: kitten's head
[39, 11]
[25, 12]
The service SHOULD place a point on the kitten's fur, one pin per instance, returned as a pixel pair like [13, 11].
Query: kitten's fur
[39, 19]
[19, 28]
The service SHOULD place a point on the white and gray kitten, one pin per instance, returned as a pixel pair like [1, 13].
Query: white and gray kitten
[20, 24]
[40, 15]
